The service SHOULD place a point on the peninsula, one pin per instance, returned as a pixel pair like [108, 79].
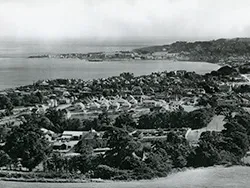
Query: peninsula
[224, 51]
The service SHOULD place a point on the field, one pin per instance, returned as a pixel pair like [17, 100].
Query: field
[212, 177]
[216, 124]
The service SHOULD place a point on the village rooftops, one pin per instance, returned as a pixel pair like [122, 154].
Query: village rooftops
[76, 135]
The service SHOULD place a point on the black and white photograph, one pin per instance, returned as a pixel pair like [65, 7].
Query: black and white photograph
[124, 93]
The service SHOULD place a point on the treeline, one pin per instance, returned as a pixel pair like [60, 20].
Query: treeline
[8, 102]
[55, 120]
[177, 119]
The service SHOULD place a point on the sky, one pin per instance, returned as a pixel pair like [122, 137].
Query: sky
[124, 20]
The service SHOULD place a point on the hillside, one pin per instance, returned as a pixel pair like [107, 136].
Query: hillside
[221, 50]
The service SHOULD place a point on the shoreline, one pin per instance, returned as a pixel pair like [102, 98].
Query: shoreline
[152, 61]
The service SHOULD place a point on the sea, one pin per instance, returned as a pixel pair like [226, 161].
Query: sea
[16, 69]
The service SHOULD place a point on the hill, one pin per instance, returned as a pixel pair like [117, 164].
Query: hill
[221, 50]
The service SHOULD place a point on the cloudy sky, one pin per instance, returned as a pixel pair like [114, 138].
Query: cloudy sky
[124, 19]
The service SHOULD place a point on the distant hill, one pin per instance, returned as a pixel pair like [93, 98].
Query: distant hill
[212, 51]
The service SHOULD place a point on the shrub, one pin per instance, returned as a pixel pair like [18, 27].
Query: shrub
[105, 172]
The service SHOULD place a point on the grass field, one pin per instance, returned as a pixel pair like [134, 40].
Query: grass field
[216, 124]
[212, 177]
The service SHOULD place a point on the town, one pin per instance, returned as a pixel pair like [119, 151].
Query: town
[77, 117]
[119, 56]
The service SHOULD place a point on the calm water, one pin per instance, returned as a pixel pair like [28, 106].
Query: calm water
[22, 71]
[214, 177]
[16, 69]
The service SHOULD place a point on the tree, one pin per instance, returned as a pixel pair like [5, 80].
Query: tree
[176, 147]
[104, 119]
[199, 118]
[159, 161]
[205, 155]
[125, 121]
[127, 75]
[27, 142]
[85, 163]
[105, 172]
[40, 96]
[237, 141]
[44, 122]
[56, 162]
[57, 117]
[4, 158]
[83, 148]
[3, 132]
[122, 145]
[5, 103]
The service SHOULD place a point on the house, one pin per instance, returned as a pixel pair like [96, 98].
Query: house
[180, 72]
[94, 138]
[40, 109]
[21, 110]
[48, 134]
[93, 106]
[149, 103]
[132, 100]
[44, 83]
[123, 103]
[226, 102]
[174, 106]
[105, 106]
[79, 106]
[245, 102]
[99, 151]
[64, 146]
[64, 100]
[68, 140]
[149, 90]
[137, 90]
[104, 103]
[114, 105]
[161, 109]
[160, 55]
[72, 135]
[225, 87]
[201, 91]
[52, 103]
[147, 135]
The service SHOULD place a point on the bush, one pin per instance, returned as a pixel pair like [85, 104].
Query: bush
[40, 175]
[105, 172]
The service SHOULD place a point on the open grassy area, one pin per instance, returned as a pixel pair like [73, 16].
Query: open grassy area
[216, 124]
[236, 176]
